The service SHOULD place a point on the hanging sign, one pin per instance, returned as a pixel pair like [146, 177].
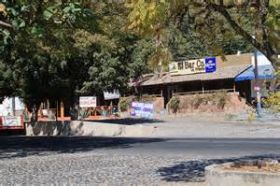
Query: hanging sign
[111, 95]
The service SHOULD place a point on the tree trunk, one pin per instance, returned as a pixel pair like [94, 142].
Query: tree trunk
[74, 108]
[276, 65]
[275, 61]
[34, 113]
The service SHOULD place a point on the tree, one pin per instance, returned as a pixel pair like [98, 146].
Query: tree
[147, 18]
[244, 18]
[61, 50]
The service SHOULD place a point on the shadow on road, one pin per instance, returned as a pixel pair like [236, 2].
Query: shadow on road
[11, 147]
[129, 121]
[194, 171]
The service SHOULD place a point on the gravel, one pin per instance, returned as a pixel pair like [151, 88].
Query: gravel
[88, 168]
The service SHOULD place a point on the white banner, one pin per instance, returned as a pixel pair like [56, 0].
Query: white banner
[87, 101]
[11, 121]
[145, 110]
[111, 95]
[188, 67]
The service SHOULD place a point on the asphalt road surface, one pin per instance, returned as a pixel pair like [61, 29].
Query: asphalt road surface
[121, 161]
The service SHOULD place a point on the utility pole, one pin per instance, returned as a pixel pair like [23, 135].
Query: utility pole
[256, 86]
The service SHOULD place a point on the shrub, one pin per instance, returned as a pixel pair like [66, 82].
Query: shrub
[124, 103]
[26, 117]
[221, 98]
[273, 101]
[84, 113]
[196, 102]
[251, 116]
[174, 104]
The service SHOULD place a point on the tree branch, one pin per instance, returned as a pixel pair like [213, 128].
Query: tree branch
[238, 29]
[4, 24]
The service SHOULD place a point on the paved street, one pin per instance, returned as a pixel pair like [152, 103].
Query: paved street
[121, 161]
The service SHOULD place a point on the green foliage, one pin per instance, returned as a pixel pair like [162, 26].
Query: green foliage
[174, 104]
[140, 55]
[124, 103]
[107, 73]
[220, 99]
[273, 101]
[61, 49]
[84, 113]
[251, 116]
[198, 100]
[217, 23]
[147, 17]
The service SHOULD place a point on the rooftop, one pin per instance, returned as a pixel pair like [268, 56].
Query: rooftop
[227, 68]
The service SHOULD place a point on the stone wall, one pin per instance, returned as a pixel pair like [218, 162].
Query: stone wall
[227, 102]
[158, 104]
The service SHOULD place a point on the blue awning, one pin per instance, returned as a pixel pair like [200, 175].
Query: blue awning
[264, 72]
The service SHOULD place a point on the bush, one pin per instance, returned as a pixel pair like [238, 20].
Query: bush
[196, 101]
[221, 98]
[174, 104]
[218, 99]
[124, 103]
[273, 101]
[84, 113]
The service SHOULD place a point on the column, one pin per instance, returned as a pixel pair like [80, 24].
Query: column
[62, 110]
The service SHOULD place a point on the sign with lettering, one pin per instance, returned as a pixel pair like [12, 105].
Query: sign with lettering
[144, 110]
[112, 95]
[207, 65]
[87, 101]
[210, 64]
[12, 121]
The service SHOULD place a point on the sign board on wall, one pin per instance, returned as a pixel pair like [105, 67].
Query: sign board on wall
[210, 64]
[145, 110]
[207, 65]
[87, 101]
[12, 121]
[6, 107]
[111, 95]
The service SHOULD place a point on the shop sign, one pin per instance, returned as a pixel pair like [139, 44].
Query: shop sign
[144, 110]
[210, 64]
[207, 65]
[87, 101]
[111, 95]
[12, 121]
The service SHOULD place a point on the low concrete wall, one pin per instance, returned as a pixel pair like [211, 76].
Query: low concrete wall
[215, 176]
[87, 128]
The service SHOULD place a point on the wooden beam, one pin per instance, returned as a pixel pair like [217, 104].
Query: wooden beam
[61, 110]
[4, 24]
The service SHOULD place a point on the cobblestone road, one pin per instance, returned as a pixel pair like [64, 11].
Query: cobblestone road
[82, 161]
[121, 161]
[84, 169]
